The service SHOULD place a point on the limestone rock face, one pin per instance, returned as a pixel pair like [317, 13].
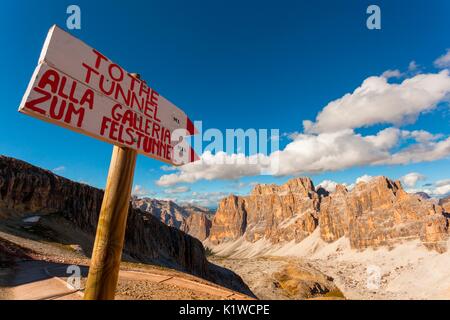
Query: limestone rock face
[334, 225]
[445, 203]
[198, 225]
[276, 213]
[194, 220]
[374, 213]
[230, 220]
[380, 212]
[167, 211]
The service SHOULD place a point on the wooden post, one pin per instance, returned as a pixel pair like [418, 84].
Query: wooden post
[107, 252]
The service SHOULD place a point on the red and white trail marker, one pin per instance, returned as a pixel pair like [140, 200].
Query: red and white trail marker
[77, 87]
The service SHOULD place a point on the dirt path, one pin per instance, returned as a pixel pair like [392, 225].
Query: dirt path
[42, 280]
[31, 281]
[33, 266]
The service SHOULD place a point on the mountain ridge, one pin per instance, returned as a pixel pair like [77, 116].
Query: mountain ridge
[191, 219]
[374, 213]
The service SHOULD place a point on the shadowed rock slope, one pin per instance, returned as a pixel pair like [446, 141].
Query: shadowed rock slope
[194, 220]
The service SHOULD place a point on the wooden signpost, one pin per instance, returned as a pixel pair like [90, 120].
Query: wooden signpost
[77, 87]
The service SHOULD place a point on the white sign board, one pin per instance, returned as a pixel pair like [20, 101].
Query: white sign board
[76, 87]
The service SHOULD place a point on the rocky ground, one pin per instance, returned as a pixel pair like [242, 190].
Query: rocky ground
[277, 278]
[407, 271]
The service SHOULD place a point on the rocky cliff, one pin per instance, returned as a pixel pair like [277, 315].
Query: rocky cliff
[379, 213]
[445, 203]
[167, 212]
[278, 213]
[198, 224]
[374, 213]
[194, 220]
[27, 190]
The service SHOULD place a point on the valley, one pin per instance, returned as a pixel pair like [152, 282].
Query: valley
[408, 271]
[376, 241]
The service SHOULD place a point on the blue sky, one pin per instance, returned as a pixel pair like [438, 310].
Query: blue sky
[233, 64]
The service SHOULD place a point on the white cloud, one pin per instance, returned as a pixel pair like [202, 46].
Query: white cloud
[59, 169]
[438, 189]
[168, 168]
[331, 143]
[181, 189]
[206, 199]
[378, 102]
[240, 185]
[349, 186]
[442, 187]
[421, 135]
[420, 152]
[443, 61]
[391, 74]
[442, 190]
[290, 135]
[328, 185]
[311, 153]
[413, 66]
[410, 180]
[441, 183]
[210, 167]
[140, 191]
[365, 178]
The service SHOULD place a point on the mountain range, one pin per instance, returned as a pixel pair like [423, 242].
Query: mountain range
[373, 214]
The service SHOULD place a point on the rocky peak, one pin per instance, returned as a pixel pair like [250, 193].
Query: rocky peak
[423, 195]
[341, 189]
[277, 213]
[445, 203]
[302, 185]
[230, 220]
[380, 184]
[373, 213]
[380, 212]
[191, 219]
